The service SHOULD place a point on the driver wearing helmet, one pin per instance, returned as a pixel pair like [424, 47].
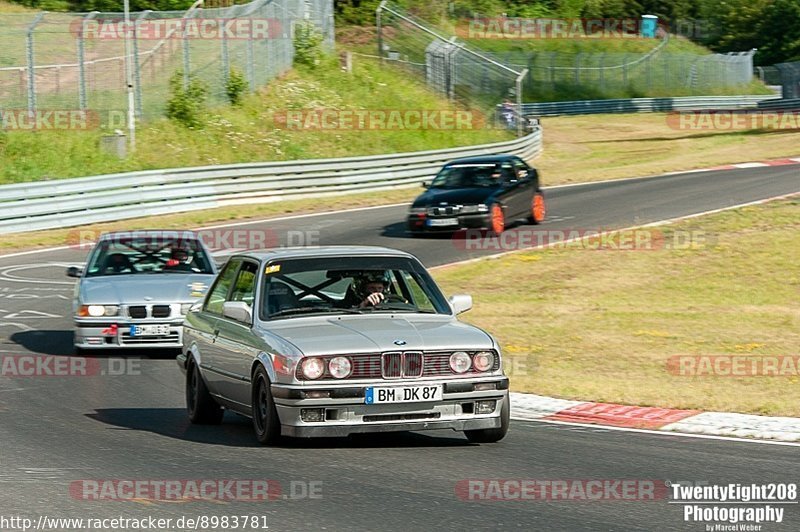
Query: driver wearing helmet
[180, 260]
[371, 288]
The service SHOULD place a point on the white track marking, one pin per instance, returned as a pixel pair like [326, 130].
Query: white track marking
[4, 274]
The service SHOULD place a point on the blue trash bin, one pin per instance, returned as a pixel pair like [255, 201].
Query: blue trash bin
[649, 26]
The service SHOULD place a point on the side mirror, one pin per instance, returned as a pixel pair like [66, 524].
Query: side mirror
[426, 184]
[74, 271]
[460, 303]
[237, 310]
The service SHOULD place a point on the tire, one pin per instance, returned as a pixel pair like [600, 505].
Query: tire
[266, 424]
[497, 219]
[538, 209]
[492, 435]
[201, 407]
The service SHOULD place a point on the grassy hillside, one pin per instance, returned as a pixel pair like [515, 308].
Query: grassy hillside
[249, 132]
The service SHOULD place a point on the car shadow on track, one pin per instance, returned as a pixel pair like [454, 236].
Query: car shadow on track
[237, 431]
[60, 343]
[398, 230]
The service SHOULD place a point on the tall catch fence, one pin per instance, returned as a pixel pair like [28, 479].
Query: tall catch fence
[789, 79]
[61, 61]
[464, 71]
[455, 70]
[658, 69]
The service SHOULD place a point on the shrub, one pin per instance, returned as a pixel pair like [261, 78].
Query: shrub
[236, 86]
[187, 105]
[307, 44]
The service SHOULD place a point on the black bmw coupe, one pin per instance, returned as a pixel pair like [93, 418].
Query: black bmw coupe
[484, 192]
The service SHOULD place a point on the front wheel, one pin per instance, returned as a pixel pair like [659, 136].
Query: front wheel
[265, 416]
[201, 407]
[492, 435]
[497, 219]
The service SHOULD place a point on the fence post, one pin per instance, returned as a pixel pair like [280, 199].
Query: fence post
[624, 71]
[578, 57]
[31, 66]
[602, 65]
[649, 72]
[226, 67]
[186, 59]
[137, 65]
[249, 62]
[83, 100]
[553, 57]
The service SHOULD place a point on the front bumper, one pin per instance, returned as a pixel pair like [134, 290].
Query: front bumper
[346, 412]
[419, 224]
[116, 335]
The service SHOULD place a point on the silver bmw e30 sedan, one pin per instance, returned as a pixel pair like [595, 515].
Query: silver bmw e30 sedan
[331, 341]
[136, 288]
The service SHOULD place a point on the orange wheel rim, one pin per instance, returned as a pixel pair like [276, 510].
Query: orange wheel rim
[498, 221]
[538, 208]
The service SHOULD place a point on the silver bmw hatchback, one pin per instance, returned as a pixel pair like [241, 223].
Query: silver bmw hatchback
[330, 341]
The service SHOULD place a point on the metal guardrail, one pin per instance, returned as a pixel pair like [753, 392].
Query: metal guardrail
[782, 104]
[73, 202]
[645, 105]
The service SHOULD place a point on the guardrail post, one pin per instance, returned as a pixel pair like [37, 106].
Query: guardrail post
[31, 66]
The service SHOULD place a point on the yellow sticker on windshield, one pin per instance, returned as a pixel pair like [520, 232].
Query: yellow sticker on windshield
[272, 268]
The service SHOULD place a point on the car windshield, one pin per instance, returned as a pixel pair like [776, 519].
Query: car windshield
[468, 175]
[341, 285]
[148, 255]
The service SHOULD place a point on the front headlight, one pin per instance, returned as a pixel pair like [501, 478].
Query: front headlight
[460, 362]
[483, 361]
[417, 210]
[185, 307]
[313, 368]
[340, 367]
[97, 311]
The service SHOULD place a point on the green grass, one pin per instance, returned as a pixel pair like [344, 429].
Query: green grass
[601, 325]
[249, 133]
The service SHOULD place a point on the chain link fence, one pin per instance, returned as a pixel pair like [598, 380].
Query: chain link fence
[655, 71]
[464, 71]
[789, 79]
[77, 60]
[455, 70]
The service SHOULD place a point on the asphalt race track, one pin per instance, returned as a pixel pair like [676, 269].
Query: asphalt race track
[127, 422]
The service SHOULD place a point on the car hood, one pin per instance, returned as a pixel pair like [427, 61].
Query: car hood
[459, 196]
[369, 334]
[144, 288]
